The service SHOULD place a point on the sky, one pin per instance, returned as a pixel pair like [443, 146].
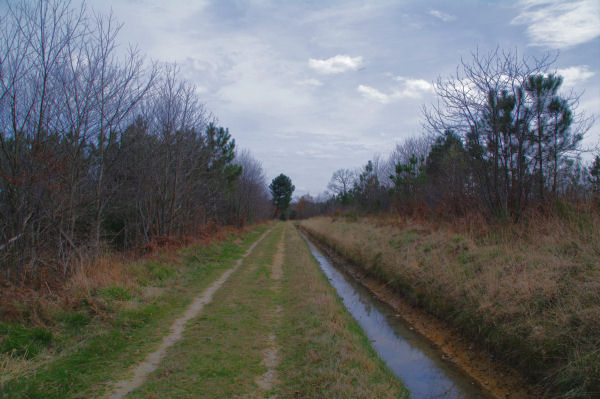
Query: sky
[313, 86]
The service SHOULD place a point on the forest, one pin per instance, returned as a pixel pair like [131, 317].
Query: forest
[101, 148]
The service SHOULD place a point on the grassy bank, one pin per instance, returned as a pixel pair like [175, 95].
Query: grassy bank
[529, 294]
[326, 353]
[277, 306]
[107, 317]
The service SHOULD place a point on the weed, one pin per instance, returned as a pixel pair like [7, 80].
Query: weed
[74, 320]
[158, 271]
[116, 293]
[20, 340]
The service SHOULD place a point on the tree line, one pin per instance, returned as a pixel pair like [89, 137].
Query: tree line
[504, 136]
[100, 147]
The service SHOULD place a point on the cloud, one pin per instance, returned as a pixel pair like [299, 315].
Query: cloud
[413, 88]
[337, 64]
[442, 15]
[559, 24]
[575, 74]
[409, 88]
[373, 94]
[310, 82]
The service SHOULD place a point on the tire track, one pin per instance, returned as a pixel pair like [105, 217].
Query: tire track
[152, 361]
[271, 355]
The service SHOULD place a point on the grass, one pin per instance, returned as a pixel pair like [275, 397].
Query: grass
[326, 353]
[322, 350]
[112, 324]
[27, 342]
[530, 293]
[221, 351]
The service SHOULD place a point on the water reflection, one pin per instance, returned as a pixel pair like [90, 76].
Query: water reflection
[406, 353]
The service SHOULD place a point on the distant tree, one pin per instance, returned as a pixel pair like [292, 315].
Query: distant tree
[281, 189]
[408, 178]
[368, 191]
[307, 207]
[447, 172]
[418, 146]
[595, 175]
[520, 133]
[562, 139]
[551, 133]
[341, 183]
[250, 201]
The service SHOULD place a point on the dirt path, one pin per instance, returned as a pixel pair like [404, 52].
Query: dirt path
[141, 371]
[271, 355]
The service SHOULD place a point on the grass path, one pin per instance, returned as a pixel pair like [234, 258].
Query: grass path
[274, 329]
[105, 349]
[151, 362]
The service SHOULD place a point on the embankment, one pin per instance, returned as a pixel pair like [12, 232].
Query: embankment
[532, 300]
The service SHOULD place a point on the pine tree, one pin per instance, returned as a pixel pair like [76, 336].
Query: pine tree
[281, 189]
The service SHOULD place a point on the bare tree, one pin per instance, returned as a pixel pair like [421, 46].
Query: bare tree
[488, 104]
[33, 40]
[251, 199]
[341, 183]
[96, 144]
[121, 84]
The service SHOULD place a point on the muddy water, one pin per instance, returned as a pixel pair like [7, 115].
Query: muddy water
[410, 357]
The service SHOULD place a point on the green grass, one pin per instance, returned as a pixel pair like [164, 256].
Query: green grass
[19, 340]
[91, 351]
[116, 293]
[323, 351]
[220, 354]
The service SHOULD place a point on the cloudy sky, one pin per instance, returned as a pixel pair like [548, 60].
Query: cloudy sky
[311, 86]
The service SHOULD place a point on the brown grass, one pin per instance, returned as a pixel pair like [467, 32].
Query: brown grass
[530, 293]
[38, 297]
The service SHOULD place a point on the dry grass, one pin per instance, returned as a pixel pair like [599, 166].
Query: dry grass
[37, 299]
[326, 353]
[529, 293]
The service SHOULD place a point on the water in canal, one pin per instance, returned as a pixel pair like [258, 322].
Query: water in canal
[410, 357]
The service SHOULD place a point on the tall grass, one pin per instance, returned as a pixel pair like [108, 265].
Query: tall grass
[529, 293]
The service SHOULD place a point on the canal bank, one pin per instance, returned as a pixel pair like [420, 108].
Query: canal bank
[430, 357]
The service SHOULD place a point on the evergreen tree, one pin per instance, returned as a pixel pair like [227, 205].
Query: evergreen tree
[595, 175]
[543, 90]
[281, 189]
